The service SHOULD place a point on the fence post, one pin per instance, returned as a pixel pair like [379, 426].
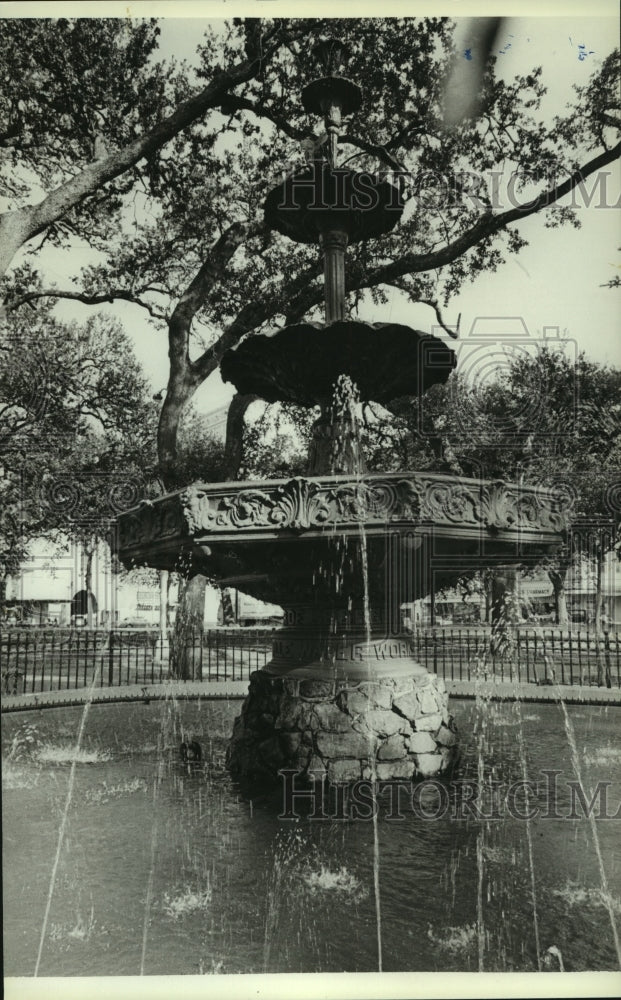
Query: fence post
[110, 659]
[607, 659]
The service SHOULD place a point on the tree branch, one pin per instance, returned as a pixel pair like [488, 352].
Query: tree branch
[211, 271]
[21, 225]
[454, 333]
[89, 300]
[487, 225]
[232, 103]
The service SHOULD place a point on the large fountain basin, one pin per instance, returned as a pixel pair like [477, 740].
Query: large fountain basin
[224, 885]
[282, 540]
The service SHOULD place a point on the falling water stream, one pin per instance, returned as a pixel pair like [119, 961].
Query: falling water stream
[529, 832]
[376, 853]
[575, 759]
[70, 785]
[344, 401]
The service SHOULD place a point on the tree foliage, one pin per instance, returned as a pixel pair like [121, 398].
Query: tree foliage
[78, 430]
[173, 209]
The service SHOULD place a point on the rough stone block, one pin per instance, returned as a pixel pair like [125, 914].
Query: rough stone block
[353, 702]
[446, 737]
[392, 770]
[385, 723]
[343, 770]
[290, 686]
[332, 719]
[421, 743]
[343, 745]
[290, 710]
[316, 689]
[429, 723]
[428, 764]
[316, 768]
[429, 701]
[393, 748]
[440, 685]
[407, 705]
[379, 695]
[402, 685]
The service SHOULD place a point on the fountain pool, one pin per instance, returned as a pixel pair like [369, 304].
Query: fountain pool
[175, 871]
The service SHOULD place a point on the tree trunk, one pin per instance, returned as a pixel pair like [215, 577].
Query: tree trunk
[178, 395]
[186, 652]
[234, 446]
[487, 589]
[164, 584]
[599, 597]
[557, 579]
[228, 612]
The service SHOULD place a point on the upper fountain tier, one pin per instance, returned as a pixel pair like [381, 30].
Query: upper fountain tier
[334, 206]
[321, 198]
[301, 363]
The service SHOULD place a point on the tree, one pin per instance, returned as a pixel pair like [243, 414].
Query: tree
[84, 106]
[547, 419]
[78, 432]
[198, 226]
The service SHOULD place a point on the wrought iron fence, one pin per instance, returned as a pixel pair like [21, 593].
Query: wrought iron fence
[49, 659]
[39, 659]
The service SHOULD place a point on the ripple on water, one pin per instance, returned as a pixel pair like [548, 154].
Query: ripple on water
[453, 939]
[575, 894]
[603, 756]
[340, 881]
[104, 792]
[181, 902]
[50, 754]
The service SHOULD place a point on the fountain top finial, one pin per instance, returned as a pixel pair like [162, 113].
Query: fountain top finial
[331, 53]
[331, 93]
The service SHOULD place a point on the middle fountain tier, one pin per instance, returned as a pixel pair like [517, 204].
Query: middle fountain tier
[340, 549]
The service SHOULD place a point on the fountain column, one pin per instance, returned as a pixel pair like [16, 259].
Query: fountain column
[334, 245]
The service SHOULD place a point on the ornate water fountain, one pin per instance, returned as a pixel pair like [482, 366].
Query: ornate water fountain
[340, 549]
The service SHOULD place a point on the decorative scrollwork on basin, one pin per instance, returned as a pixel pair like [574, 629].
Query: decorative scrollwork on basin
[383, 500]
[310, 504]
[452, 503]
[300, 504]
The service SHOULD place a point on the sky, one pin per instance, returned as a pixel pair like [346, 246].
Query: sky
[552, 289]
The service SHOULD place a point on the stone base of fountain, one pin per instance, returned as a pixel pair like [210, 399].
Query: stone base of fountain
[344, 728]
